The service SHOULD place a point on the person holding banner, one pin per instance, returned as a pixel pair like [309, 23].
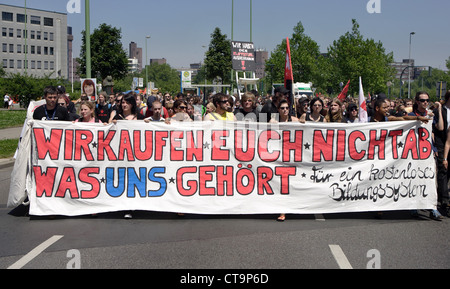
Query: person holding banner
[157, 109]
[64, 101]
[128, 109]
[222, 104]
[270, 107]
[247, 110]
[283, 111]
[380, 113]
[180, 107]
[335, 113]
[315, 107]
[442, 143]
[352, 113]
[420, 108]
[302, 106]
[50, 110]
[87, 112]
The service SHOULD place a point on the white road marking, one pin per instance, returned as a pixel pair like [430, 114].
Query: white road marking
[340, 257]
[35, 252]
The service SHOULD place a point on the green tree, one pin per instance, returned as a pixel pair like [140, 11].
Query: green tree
[448, 64]
[218, 57]
[25, 88]
[166, 78]
[352, 56]
[108, 56]
[305, 55]
[428, 83]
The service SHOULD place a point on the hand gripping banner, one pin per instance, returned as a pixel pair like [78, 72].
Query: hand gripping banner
[229, 167]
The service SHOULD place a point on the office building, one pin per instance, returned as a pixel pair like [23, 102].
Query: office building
[35, 41]
[135, 53]
[159, 61]
[133, 65]
[261, 56]
[402, 67]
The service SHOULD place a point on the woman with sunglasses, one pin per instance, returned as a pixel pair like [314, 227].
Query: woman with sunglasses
[64, 101]
[180, 108]
[420, 108]
[283, 111]
[352, 114]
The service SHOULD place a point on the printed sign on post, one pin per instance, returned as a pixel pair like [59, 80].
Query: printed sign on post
[243, 56]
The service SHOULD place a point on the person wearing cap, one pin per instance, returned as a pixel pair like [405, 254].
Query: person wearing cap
[352, 113]
[270, 110]
[302, 105]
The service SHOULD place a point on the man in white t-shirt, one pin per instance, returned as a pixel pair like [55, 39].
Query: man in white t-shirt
[6, 100]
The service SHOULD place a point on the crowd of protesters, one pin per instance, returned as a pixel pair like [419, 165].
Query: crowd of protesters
[255, 108]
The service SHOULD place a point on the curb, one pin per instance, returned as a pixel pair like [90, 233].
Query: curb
[6, 163]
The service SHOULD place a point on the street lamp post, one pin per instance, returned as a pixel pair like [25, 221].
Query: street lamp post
[26, 36]
[409, 60]
[88, 40]
[206, 70]
[146, 65]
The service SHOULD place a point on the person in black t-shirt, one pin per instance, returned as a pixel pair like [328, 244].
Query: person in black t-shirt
[270, 110]
[51, 110]
[103, 109]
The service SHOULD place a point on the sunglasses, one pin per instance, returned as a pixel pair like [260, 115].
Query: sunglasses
[424, 100]
[182, 107]
[284, 108]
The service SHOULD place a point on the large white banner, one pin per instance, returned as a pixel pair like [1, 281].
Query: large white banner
[230, 168]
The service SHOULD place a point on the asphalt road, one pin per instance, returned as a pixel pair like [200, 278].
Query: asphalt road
[166, 241]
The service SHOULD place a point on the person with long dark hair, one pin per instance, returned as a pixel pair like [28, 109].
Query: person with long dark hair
[335, 112]
[284, 116]
[128, 109]
[315, 108]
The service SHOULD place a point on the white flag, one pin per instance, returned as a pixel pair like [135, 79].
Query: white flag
[363, 116]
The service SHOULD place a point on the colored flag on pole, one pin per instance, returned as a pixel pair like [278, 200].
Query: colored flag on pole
[344, 92]
[363, 116]
[289, 76]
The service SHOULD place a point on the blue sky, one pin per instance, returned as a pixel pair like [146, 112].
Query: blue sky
[179, 28]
